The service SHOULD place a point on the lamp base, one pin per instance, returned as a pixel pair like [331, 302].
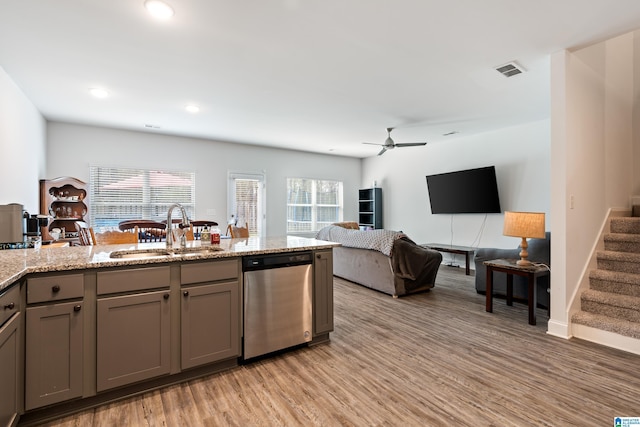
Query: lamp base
[523, 261]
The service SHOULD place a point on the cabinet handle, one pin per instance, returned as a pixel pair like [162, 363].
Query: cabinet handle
[318, 256]
[10, 306]
[77, 308]
[165, 296]
[55, 288]
[185, 293]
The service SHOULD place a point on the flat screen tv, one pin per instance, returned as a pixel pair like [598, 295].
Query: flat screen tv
[465, 191]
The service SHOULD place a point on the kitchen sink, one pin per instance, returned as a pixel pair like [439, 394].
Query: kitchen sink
[145, 253]
[162, 253]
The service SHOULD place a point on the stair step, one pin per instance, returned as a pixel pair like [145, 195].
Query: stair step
[622, 242]
[625, 262]
[612, 305]
[606, 323]
[625, 224]
[615, 282]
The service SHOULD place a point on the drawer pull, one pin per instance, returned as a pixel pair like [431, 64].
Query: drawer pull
[185, 293]
[55, 288]
[10, 306]
[165, 296]
[77, 308]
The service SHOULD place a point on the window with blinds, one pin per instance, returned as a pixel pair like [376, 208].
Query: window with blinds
[312, 204]
[118, 194]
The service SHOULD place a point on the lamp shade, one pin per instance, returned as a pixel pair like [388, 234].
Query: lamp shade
[524, 224]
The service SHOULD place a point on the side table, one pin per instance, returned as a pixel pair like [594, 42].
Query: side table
[510, 267]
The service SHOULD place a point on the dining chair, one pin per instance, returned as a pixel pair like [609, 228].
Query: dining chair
[148, 230]
[116, 237]
[235, 231]
[86, 236]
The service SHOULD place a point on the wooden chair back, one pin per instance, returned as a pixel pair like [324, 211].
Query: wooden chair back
[235, 231]
[86, 236]
[117, 237]
[148, 230]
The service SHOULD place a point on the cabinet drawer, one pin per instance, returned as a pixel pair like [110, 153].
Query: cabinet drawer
[116, 281]
[211, 271]
[55, 288]
[9, 303]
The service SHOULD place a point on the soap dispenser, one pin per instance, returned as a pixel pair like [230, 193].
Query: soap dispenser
[205, 236]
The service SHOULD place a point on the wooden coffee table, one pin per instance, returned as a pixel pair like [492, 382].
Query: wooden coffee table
[510, 267]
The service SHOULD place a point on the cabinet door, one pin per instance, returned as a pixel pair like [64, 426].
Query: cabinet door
[53, 354]
[322, 292]
[133, 338]
[210, 323]
[9, 370]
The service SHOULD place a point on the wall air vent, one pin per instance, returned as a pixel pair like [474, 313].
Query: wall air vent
[510, 69]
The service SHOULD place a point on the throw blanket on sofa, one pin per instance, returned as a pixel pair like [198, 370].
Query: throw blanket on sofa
[378, 240]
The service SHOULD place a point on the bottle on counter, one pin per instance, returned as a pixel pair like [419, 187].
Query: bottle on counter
[205, 236]
[215, 236]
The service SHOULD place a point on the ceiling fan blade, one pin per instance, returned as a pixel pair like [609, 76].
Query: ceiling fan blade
[382, 151]
[370, 143]
[411, 144]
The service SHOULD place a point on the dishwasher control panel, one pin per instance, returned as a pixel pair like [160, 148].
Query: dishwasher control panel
[263, 262]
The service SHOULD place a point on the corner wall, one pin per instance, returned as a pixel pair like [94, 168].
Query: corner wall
[592, 159]
[22, 144]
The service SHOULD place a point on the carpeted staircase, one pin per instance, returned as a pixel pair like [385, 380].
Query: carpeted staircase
[613, 301]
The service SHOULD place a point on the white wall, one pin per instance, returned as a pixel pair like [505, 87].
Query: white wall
[22, 147]
[520, 155]
[73, 148]
[592, 149]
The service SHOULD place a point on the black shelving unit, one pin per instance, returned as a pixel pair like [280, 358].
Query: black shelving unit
[370, 207]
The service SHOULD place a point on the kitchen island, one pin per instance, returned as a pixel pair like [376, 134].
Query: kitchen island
[85, 328]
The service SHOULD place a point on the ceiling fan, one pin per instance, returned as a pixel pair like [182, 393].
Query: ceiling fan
[389, 144]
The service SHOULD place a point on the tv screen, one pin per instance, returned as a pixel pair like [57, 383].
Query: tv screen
[466, 191]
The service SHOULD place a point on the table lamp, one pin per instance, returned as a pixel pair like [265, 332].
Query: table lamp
[524, 225]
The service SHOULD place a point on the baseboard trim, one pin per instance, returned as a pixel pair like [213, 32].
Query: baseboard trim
[606, 338]
[558, 329]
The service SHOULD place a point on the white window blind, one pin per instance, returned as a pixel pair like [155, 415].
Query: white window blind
[118, 194]
[312, 204]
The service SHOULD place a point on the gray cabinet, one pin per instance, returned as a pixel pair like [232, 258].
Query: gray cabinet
[210, 312]
[322, 292]
[210, 324]
[370, 208]
[133, 330]
[10, 361]
[54, 340]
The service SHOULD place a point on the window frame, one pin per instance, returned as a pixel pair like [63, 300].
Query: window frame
[147, 201]
[314, 205]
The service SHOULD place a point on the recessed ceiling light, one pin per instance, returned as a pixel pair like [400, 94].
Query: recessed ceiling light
[193, 109]
[159, 9]
[98, 93]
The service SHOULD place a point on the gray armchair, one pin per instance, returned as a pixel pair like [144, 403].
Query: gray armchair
[539, 251]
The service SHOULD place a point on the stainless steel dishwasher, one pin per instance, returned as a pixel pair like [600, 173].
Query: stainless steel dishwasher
[277, 302]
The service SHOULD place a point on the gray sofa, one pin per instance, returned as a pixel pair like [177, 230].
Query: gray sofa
[408, 269]
[539, 251]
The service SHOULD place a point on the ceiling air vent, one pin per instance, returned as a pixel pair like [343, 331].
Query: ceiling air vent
[510, 69]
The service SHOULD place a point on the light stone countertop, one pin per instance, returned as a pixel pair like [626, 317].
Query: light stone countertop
[16, 263]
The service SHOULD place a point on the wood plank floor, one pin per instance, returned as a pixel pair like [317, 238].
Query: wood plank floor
[432, 359]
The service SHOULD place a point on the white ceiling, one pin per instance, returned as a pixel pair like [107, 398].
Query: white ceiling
[312, 75]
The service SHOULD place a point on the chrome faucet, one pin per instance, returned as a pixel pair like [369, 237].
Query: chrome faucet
[185, 224]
